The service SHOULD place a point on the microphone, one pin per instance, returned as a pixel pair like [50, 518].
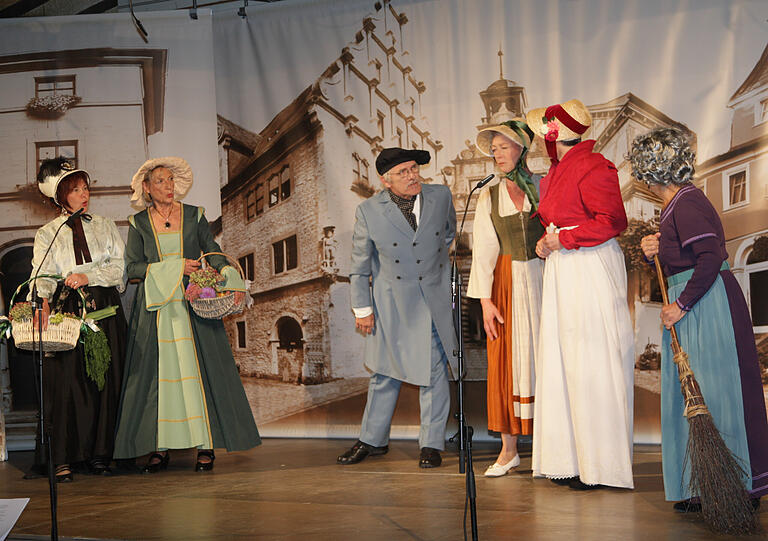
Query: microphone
[74, 216]
[483, 182]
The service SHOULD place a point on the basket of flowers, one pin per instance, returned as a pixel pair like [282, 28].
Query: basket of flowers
[63, 329]
[206, 293]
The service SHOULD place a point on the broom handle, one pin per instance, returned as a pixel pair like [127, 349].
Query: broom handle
[665, 297]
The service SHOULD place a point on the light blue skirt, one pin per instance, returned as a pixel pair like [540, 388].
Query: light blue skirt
[706, 334]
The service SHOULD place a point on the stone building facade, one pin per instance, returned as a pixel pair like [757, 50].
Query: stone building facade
[288, 209]
[736, 182]
[83, 104]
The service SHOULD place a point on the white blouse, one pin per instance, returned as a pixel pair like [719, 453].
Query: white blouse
[107, 268]
[485, 241]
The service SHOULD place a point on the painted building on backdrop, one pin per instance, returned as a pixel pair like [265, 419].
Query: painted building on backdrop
[96, 107]
[736, 182]
[289, 194]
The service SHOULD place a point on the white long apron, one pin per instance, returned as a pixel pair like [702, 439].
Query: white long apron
[584, 372]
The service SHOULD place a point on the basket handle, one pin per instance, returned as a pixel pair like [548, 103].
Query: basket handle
[58, 277]
[229, 258]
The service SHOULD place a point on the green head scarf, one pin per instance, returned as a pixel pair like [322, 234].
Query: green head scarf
[521, 175]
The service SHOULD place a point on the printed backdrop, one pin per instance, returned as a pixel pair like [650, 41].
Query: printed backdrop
[282, 114]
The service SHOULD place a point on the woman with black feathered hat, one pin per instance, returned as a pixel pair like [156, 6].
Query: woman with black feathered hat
[80, 412]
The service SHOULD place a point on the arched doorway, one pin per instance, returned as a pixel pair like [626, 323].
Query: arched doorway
[289, 350]
[15, 266]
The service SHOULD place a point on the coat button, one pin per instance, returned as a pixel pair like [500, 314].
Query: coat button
[414, 244]
[418, 261]
[398, 277]
[397, 261]
[441, 265]
[437, 233]
[394, 244]
[419, 277]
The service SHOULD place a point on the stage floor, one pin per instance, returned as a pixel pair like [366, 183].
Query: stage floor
[293, 489]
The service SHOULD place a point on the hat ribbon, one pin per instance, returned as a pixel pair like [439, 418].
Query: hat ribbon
[557, 111]
[522, 130]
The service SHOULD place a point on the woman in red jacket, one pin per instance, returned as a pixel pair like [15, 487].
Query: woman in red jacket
[584, 375]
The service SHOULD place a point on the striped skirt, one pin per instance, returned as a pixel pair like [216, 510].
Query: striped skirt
[516, 293]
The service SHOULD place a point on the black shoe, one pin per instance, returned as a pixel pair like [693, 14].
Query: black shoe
[64, 474]
[577, 484]
[687, 506]
[206, 465]
[157, 462]
[99, 466]
[562, 481]
[359, 451]
[429, 458]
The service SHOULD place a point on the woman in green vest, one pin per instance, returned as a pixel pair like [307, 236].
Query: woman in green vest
[506, 276]
[181, 386]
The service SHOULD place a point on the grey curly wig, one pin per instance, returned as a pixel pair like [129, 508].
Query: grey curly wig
[662, 156]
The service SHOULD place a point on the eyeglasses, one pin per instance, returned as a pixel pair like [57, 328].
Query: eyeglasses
[412, 171]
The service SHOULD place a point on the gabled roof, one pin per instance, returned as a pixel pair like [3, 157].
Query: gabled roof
[757, 77]
[238, 133]
[628, 106]
[291, 122]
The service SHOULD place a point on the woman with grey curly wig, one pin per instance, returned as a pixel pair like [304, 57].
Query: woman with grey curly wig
[711, 317]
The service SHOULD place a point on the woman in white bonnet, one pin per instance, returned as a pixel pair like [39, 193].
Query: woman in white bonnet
[182, 388]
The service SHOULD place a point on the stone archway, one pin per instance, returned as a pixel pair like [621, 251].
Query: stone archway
[288, 349]
[18, 396]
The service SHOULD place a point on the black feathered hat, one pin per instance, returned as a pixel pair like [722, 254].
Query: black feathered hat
[52, 172]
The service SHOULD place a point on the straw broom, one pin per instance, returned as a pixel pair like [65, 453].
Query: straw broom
[716, 475]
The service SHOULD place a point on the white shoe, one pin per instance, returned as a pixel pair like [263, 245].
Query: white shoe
[497, 470]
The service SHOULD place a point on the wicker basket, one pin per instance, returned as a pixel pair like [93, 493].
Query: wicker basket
[223, 306]
[57, 337]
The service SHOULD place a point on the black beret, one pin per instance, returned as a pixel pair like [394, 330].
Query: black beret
[390, 157]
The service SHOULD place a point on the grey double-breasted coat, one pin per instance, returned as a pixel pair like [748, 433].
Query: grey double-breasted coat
[409, 286]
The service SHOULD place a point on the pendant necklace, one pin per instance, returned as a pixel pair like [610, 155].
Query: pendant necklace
[166, 218]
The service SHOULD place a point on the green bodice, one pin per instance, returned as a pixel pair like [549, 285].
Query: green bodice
[517, 233]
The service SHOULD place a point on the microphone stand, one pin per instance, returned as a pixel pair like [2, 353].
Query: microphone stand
[465, 431]
[45, 434]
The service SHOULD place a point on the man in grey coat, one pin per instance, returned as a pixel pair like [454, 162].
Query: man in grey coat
[401, 296]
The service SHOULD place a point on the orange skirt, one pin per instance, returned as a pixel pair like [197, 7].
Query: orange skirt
[510, 406]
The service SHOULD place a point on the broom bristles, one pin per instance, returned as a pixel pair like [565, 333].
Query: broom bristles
[718, 480]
